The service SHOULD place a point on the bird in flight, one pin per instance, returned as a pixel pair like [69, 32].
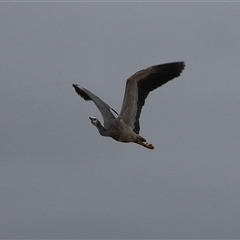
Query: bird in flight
[125, 126]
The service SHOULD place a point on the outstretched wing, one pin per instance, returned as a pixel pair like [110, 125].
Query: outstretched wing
[102, 106]
[140, 84]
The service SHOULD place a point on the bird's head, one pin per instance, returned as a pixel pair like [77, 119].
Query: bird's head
[94, 120]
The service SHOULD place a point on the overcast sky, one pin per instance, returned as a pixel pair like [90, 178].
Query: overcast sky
[60, 179]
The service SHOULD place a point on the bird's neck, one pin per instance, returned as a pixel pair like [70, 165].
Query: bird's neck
[102, 130]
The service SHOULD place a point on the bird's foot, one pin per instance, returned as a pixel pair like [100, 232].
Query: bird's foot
[145, 144]
[148, 145]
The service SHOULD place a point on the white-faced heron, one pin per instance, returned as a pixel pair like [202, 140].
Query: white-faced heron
[125, 127]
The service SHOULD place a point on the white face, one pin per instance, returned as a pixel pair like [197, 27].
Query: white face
[93, 120]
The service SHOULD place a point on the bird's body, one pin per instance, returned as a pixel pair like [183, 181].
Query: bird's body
[125, 127]
[120, 131]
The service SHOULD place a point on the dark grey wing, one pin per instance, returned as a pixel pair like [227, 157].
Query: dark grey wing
[102, 106]
[140, 84]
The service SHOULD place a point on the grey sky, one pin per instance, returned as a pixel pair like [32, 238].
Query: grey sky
[60, 179]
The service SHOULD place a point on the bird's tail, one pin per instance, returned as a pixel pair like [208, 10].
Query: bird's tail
[141, 139]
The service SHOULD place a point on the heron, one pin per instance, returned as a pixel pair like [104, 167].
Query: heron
[125, 127]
